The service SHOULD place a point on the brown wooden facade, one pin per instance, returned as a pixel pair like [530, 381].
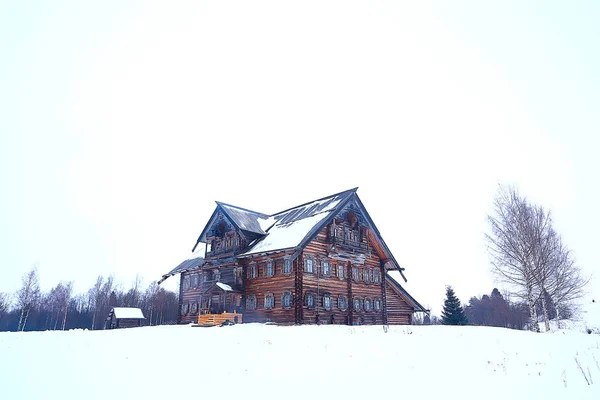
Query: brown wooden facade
[338, 276]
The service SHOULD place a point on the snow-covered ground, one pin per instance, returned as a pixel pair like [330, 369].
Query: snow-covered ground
[257, 361]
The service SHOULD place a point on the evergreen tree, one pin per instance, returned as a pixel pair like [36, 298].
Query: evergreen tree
[453, 313]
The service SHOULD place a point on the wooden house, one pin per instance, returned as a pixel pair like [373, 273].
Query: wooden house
[321, 262]
[124, 317]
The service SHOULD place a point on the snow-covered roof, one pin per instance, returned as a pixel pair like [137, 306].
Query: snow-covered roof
[289, 228]
[225, 287]
[247, 220]
[127, 312]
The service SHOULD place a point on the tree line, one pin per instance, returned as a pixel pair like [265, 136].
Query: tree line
[30, 309]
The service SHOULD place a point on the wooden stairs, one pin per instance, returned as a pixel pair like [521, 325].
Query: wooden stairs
[218, 319]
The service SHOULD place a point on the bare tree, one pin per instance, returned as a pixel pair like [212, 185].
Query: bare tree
[510, 246]
[4, 304]
[27, 296]
[529, 254]
[95, 298]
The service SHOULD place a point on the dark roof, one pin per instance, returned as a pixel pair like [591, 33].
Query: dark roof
[186, 265]
[246, 220]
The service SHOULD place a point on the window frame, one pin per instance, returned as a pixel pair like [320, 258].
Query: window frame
[285, 294]
[368, 301]
[341, 273]
[287, 264]
[185, 308]
[377, 306]
[186, 282]
[307, 303]
[323, 264]
[250, 302]
[269, 269]
[344, 302]
[329, 300]
[252, 271]
[356, 273]
[270, 306]
[312, 265]
[356, 301]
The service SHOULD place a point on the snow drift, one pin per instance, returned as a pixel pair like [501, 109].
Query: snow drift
[272, 362]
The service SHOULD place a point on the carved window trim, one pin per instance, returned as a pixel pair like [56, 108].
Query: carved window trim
[309, 300]
[269, 268]
[376, 276]
[356, 304]
[327, 301]
[186, 282]
[269, 301]
[194, 308]
[286, 297]
[185, 307]
[377, 304]
[251, 302]
[309, 265]
[287, 266]
[367, 303]
[342, 302]
[195, 281]
[252, 271]
[356, 273]
[341, 273]
[325, 268]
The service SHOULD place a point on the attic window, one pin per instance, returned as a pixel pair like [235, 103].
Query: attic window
[221, 229]
[352, 220]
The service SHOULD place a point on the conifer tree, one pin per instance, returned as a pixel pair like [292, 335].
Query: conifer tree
[453, 313]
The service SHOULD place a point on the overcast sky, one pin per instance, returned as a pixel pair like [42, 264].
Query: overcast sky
[122, 122]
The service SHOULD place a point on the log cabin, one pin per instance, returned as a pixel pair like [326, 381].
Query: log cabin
[124, 317]
[322, 262]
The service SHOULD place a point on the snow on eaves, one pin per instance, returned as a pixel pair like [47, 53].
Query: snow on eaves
[225, 287]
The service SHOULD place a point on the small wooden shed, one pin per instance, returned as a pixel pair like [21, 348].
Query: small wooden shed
[124, 317]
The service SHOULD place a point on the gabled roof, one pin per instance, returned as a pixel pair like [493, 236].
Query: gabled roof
[245, 220]
[289, 229]
[393, 277]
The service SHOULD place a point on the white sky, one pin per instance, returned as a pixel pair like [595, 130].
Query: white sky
[121, 124]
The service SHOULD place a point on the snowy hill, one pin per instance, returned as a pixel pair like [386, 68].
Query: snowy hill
[272, 362]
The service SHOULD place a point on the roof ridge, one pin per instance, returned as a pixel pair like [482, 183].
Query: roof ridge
[220, 203]
[353, 190]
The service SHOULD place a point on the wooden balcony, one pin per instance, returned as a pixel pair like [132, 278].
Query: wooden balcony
[347, 239]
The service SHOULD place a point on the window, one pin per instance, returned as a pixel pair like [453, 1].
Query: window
[287, 266]
[194, 308]
[340, 271]
[377, 304]
[376, 276]
[342, 303]
[367, 304]
[269, 271]
[205, 277]
[186, 283]
[269, 301]
[252, 271]
[327, 302]
[356, 304]
[185, 308]
[195, 280]
[309, 265]
[286, 299]
[309, 300]
[366, 275]
[325, 268]
[251, 302]
[355, 274]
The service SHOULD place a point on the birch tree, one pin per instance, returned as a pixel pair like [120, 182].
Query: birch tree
[27, 296]
[511, 249]
[4, 304]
